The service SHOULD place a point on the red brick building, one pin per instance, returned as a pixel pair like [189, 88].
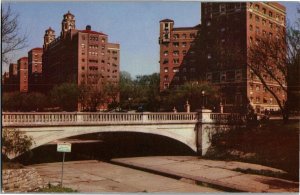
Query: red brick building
[232, 28]
[22, 77]
[84, 57]
[178, 50]
[35, 69]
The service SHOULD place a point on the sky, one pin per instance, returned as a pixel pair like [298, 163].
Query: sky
[135, 25]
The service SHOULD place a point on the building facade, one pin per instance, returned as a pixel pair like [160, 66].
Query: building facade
[22, 77]
[235, 27]
[178, 48]
[84, 57]
[35, 69]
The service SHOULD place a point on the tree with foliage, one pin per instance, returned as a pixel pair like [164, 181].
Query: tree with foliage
[16, 101]
[91, 97]
[15, 142]
[193, 93]
[111, 91]
[65, 96]
[11, 38]
[270, 58]
[142, 93]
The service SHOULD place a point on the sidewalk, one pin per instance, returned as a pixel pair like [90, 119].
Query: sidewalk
[221, 174]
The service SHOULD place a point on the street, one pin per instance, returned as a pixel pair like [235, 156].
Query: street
[97, 176]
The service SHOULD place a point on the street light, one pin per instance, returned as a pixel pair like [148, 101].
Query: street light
[203, 94]
[129, 99]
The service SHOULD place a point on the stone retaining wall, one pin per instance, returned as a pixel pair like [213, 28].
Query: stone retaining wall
[21, 180]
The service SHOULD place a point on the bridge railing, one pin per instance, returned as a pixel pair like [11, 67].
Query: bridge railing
[77, 118]
[93, 118]
[228, 118]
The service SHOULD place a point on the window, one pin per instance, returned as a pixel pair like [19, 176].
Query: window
[264, 11]
[166, 78]
[270, 14]
[250, 16]
[192, 35]
[83, 60]
[270, 24]
[82, 45]
[176, 61]
[257, 30]
[175, 53]
[175, 69]
[222, 8]
[257, 88]
[256, 18]
[102, 40]
[251, 27]
[176, 36]
[183, 44]
[184, 36]
[257, 100]
[166, 69]
[176, 44]
[165, 53]
[257, 7]
[251, 40]
[222, 29]
[209, 56]
[166, 25]
[208, 23]
[184, 52]
[264, 22]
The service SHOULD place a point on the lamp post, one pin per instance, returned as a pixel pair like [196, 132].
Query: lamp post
[129, 99]
[203, 94]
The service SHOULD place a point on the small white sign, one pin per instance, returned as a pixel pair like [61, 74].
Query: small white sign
[63, 147]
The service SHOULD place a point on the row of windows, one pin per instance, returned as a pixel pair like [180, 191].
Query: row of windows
[176, 69]
[264, 22]
[228, 76]
[184, 36]
[264, 11]
[176, 53]
[264, 100]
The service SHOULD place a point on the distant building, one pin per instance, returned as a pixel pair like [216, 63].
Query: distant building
[233, 28]
[22, 76]
[178, 50]
[35, 69]
[84, 57]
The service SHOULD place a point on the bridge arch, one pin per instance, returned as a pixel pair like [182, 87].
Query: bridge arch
[185, 135]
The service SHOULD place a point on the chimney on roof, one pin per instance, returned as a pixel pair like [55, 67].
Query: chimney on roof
[88, 27]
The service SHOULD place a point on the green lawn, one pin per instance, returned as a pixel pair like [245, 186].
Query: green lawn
[271, 143]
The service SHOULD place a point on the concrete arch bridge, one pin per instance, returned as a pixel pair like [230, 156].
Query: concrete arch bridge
[192, 129]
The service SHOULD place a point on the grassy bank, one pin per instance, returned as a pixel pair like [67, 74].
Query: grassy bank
[271, 143]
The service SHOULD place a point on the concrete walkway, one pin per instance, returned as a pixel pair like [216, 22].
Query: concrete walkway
[97, 176]
[223, 174]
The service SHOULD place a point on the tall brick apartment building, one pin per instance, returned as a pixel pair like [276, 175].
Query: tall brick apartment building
[84, 57]
[35, 69]
[22, 78]
[178, 50]
[232, 28]
[227, 32]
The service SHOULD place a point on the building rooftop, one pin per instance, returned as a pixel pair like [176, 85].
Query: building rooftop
[166, 20]
[92, 32]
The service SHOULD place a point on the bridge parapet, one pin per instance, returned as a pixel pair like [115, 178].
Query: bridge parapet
[15, 119]
[77, 118]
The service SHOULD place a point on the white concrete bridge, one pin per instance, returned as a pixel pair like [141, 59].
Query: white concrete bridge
[187, 128]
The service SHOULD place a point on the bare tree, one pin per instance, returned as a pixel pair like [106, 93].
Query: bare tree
[269, 58]
[11, 38]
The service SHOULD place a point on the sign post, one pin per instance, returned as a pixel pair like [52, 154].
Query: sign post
[63, 147]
